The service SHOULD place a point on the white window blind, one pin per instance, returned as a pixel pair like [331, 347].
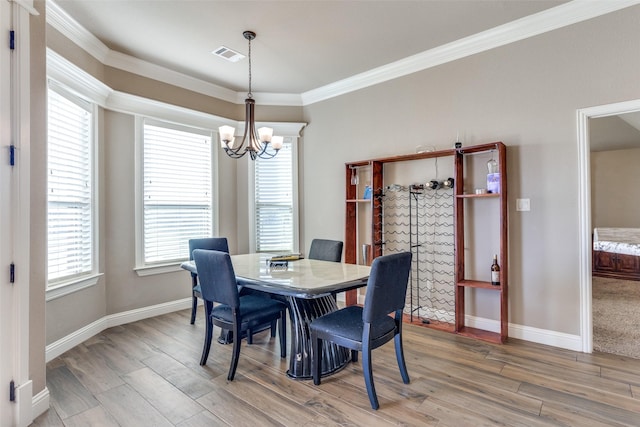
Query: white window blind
[177, 191]
[70, 193]
[274, 202]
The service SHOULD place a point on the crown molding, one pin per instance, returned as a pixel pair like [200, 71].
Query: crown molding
[76, 79]
[65, 24]
[548, 20]
[88, 87]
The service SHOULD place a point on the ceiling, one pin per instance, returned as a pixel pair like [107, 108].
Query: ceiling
[300, 46]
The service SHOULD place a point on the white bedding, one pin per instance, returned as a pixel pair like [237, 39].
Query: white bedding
[617, 240]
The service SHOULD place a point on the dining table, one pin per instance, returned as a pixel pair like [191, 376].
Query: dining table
[309, 287]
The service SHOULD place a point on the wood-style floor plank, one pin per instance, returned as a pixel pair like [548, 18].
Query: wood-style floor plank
[147, 373]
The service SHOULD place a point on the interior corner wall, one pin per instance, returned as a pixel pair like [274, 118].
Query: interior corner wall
[525, 94]
[120, 289]
[615, 193]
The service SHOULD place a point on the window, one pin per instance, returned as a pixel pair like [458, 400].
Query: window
[177, 191]
[275, 213]
[70, 219]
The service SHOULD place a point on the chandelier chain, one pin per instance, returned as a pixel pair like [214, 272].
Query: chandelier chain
[250, 95]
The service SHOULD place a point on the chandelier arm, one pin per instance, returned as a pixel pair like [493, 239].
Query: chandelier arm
[234, 154]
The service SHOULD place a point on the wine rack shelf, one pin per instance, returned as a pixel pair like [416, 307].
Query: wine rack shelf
[439, 287]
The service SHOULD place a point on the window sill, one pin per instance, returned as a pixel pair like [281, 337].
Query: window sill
[150, 270]
[61, 289]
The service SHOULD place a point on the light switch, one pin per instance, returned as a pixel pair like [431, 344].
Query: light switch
[523, 205]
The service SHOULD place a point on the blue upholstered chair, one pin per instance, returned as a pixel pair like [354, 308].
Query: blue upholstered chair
[209, 243]
[240, 314]
[325, 250]
[364, 329]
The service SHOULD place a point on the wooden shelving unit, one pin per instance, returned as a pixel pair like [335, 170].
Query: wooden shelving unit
[465, 285]
[462, 284]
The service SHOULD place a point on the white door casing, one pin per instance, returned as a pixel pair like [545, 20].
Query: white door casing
[584, 206]
[15, 139]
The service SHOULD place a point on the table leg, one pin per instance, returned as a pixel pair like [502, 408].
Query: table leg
[302, 312]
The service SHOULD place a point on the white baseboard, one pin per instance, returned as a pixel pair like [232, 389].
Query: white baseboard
[58, 347]
[40, 403]
[526, 333]
[24, 410]
[529, 333]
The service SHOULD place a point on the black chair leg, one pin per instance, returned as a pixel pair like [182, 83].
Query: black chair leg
[282, 333]
[316, 360]
[368, 376]
[354, 355]
[208, 306]
[194, 308]
[236, 351]
[400, 357]
[273, 328]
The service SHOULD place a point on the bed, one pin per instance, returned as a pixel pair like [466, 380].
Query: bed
[616, 253]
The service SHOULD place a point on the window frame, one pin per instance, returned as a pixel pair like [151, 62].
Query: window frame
[69, 284]
[295, 211]
[142, 268]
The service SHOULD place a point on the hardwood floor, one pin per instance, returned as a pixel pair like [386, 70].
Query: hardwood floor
[147, 374]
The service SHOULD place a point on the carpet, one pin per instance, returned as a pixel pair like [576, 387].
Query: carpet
[616, 316]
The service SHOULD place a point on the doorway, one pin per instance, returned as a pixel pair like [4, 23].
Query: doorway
[584, 207]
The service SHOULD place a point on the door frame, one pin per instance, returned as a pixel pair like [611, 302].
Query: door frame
[584, 208]
[15, 87]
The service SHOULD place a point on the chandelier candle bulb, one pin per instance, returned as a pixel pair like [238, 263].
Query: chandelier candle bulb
[265, 134]
[276, 142]
[226, 136]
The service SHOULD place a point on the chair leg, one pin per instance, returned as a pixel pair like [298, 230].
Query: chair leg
[400, 357]
[368, 376]
[366, 366]
[354, 355]
[208, 333]
[249, 336]
[236, 350]
[273, 328]
[282, 333]
[316, 357]
[194, 308]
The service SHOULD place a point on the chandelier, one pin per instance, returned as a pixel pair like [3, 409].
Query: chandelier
[262, 143]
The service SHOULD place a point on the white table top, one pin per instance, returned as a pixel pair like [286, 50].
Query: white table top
[304, 278]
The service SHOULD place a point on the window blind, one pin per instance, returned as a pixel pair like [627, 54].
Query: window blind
[69, 182]
[274, 198]
[177, 191]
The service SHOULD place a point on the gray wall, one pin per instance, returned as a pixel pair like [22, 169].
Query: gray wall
[525, 94]
[615, 188]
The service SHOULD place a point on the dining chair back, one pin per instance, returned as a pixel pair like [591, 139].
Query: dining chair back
[209, 243]
[366, 328]
[239, 314]
[326, 250]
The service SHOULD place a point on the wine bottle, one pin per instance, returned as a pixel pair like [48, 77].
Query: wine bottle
[495, 272]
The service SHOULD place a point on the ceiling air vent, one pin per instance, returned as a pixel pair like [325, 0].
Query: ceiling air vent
[228, 54]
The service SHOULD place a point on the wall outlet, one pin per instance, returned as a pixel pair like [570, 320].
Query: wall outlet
[523, 205]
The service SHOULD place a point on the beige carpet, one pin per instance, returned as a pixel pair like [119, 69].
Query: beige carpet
[616, 316]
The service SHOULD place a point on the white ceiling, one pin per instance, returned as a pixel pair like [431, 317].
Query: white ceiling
[300, 46]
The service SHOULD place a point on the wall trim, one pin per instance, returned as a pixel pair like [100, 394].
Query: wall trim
[526, 333]
[40, 403]
[529, 333]
[58, 347]
[551, 19]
